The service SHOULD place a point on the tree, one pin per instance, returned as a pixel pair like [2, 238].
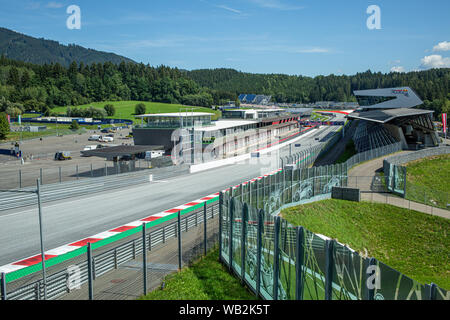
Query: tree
[4, 126]
[74, 125]
[110, 110]
[140, 109]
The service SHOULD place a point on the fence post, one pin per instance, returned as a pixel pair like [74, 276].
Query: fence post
[369, 291]
[20, 179]
[40, 175]
[179, 241]
[77, 172]
[149, 241]
[256, 193]
[205, 237]
[299, 257]
[404, 182]
[258, 251]
[220, 224]
[3, 286]
[230, 236]
[329, 266]
[115, 258]
[90, 280]
[106, 170]
[60, 178]
[144, 259]
[276, 257]
[92, 171]
[292, 185]
[164, 234]
[432, 291]
[243, 245]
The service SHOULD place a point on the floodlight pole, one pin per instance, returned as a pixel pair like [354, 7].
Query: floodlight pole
[38, 192]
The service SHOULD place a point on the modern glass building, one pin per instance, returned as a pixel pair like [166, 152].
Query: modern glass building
[175, 120]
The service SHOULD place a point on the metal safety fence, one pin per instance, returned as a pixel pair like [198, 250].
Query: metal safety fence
[277, 260]
[12, 178]
[126, 268]
[16, 198]
[397, 179]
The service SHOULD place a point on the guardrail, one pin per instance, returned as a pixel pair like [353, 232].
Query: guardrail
[52, 192]
[58, 283]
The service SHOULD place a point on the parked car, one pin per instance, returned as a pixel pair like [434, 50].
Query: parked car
[94, 137]
[107, 139]
[63, 155]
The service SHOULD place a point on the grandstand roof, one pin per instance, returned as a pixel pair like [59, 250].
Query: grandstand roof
[384, 116]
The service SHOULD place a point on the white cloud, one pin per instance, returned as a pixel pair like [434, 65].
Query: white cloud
[435, 61]
[442, 46]
[276, 4]
[229, 9]
[398, 69]
[313, 50]
[54, 5]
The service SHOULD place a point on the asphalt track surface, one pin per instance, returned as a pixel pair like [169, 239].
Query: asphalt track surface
[70, 220]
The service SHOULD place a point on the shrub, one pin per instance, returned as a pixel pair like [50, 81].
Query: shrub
[140, 109]
[110, 110]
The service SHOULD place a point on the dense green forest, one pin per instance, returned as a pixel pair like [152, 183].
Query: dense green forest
[431, 85]
[21, 47]
[25, 86]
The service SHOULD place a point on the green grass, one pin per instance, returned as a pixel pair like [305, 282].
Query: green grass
[206, 279]
[427, 180]
[349, 152]
[52, 130]
[413, 243]
[125, 109]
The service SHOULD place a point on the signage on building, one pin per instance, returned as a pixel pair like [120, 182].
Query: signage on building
[401, 91]
[444, 122]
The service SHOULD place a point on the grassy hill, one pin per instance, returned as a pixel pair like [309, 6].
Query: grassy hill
[414, 243]
[125, 109]
[21, 47]
[427, 180]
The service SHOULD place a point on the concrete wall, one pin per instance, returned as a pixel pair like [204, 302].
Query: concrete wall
[401, 159]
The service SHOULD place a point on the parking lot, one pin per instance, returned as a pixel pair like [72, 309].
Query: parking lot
[39, 155]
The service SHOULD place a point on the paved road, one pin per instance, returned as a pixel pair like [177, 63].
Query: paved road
[362, 176]
[70, 220]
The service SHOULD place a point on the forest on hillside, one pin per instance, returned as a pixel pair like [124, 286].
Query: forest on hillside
[431, 85]
[26, 86]
[21, 47]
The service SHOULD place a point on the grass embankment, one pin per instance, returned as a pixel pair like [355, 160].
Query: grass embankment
[206, 279]
[349, 152]
[427, 180]
[125, 109]
[413, 243]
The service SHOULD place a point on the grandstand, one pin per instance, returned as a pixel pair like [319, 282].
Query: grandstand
[254, 99]
[387, 116]
[370, 136]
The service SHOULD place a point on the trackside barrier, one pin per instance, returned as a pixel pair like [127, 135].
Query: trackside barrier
[59, 191]
[397, 183]
[94, 265]
[277, 260]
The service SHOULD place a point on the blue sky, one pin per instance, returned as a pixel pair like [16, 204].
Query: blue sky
[305, 37]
